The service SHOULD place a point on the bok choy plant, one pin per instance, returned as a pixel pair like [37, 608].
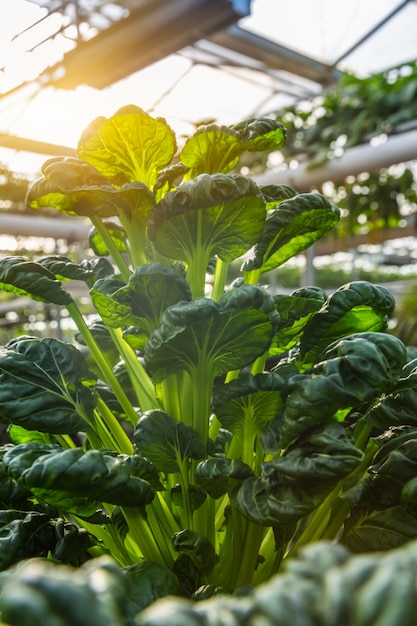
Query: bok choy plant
[199, 432]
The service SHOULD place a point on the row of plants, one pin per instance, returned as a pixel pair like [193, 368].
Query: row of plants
[354, 112]
[351, 113]
[200, 435]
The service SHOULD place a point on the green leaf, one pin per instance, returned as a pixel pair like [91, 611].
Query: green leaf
[23, 535]
[166, 442]
[322, 458]
[213, 148]
[71, 543]
[196, 496]
[324, 584]
[356, 307]
[146, 583]
[73, 188]
[291, 228]
[399, 406]
[102, 268]
[248, 401]
[18, 434]
[41, 592]
[51, 381]
[198, 548]
[382, 531]
[351, 371]
[227, 334]
[64, 269]
[275, 194]
[295, 311]
[21, 276]
[113, 313]
[220, 475]
[295, 484]
[211, 215]
[74, 480]
[129, 146]
[150, 290]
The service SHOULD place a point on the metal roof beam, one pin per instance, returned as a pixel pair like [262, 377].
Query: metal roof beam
[13, 142]
[274, 55]
[151, 32]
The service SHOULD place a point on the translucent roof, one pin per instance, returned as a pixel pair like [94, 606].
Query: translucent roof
[64, 63]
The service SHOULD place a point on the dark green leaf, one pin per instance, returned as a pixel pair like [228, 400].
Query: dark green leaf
[227, 334]
[295, 311]
[382, 530]
[71, 543]
[150, 290]
[275, 194]
[212, 215]
[291, 228]
[45, 386]
[24, 535]
[64, 269]
[41, 592]
[324, 584]
[76, 481]
[220, 476]
[399, 406]
[356, 307]
[146, 582]
[198, 548]
[196, 496]
[21, 276]
[351, 371]
[166, 442]
[295, 484]
[248, 402]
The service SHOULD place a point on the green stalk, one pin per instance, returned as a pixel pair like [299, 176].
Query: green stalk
[136, 235]
[200, 392]
[111, 246]
[117, 434]
[106, 439]
[251, 278]
[239, 552]
[219, 282]
[342, 508]
[101, 362]
[248, 436]
[162, 532]
[225, 572]
[185, 490]
[273, 555]
[143, 536]
[110, 539]
[141, 382]
[197, 264]
[249, 554]
[65, 441]
[328, 519]
[170, 396]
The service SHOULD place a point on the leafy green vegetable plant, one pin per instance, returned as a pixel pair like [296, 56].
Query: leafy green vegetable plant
[199, 433]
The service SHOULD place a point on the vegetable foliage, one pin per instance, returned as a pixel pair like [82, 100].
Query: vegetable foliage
[198, 433]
